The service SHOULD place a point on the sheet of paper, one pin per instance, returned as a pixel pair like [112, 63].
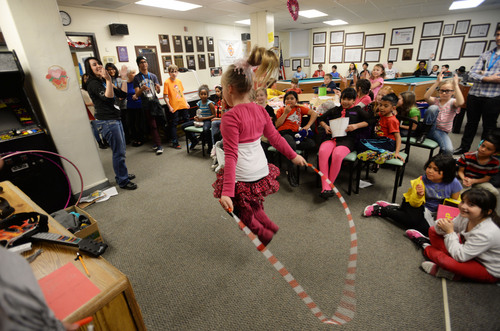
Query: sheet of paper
[109, 193]
[67, 289]
[364, 184]
[338, 126]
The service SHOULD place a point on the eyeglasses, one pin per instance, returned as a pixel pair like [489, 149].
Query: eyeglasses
[446, 91]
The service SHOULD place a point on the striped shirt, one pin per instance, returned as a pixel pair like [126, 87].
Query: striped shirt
[205, 108]
[480, 70]
[447, 113]
[473, 169]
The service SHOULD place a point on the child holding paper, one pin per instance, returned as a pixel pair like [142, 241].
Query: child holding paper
[349, 118]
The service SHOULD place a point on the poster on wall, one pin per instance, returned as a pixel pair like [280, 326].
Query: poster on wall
[210, 44]
[188, 42]
[211, 59]
[202, 64]
[177, 44]
[214, 72]
[230, 51]
[190, 62]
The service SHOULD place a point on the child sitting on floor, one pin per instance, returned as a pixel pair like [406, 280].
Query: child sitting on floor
[467, 246]
[423, 197]
[476, 168]
[386, 145]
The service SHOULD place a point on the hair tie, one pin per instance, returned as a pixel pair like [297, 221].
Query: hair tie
[242, 67]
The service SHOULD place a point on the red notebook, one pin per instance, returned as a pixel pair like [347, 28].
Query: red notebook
[67, 289]
[448, 212]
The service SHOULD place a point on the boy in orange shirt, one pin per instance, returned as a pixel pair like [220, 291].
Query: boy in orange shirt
[387, 143]
[295, 86]
[173, 94]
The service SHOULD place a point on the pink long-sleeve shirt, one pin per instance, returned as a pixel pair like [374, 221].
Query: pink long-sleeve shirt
[245, 124]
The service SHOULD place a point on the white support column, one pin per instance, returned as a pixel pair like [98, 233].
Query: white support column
[33, 29]
[262, 29]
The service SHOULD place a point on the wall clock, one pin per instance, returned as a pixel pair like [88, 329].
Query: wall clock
[65, 18]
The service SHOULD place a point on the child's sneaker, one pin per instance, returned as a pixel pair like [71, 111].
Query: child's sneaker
[385, 156]
[372, 210]
[418, 238]
[367, 155]
[432, 269]
[159, 150]
[383, 203]
[155, 147]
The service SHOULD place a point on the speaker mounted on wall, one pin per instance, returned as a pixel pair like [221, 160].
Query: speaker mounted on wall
[117, 29]
[245, 36]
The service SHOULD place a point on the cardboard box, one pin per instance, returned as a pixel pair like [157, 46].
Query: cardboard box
[91, 231]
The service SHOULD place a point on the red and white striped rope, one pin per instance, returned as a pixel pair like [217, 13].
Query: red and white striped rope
[347, 306]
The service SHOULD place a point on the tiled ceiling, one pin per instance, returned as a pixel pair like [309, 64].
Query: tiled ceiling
[229, 11]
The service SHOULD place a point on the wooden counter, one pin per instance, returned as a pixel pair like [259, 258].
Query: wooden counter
[115, 307]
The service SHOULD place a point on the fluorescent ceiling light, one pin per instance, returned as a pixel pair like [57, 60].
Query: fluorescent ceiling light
[465, 4]
[311, 13]
[168, 4]
[335, 22]
[246, 22]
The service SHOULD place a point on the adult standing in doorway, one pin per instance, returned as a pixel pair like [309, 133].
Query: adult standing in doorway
[103, 93]
[146, 86]
[483, 100]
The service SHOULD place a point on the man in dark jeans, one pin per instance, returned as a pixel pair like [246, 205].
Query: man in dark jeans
[484, 96]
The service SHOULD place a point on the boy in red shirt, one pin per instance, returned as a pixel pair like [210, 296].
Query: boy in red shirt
[387, 143]
[295, 86]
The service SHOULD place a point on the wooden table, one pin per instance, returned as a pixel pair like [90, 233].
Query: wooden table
[115, 307]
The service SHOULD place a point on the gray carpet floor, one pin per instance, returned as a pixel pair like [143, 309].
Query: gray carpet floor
[192, 268]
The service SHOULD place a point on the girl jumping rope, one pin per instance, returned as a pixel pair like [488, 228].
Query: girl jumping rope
[247, 177]
[467, 246]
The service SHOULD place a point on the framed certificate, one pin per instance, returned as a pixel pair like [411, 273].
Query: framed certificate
[402, 36]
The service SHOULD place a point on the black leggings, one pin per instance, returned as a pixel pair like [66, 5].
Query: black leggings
[407, 216]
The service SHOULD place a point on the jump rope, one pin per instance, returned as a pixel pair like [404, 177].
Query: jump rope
[347, 307]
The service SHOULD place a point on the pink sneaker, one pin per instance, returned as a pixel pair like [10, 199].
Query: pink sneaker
[372, 210]
[383, 203]
[418, 238]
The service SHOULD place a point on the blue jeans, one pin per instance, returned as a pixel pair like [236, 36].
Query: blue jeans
[95, 132]
[215, 130]
[112, 131]
[441, 137]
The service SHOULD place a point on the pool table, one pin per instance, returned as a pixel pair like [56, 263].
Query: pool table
[307, 84]
[419, 85]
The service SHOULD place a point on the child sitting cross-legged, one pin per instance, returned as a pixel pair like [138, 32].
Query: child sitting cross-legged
[386, 145]
[476, 168]
[423, 197]
[467, 247]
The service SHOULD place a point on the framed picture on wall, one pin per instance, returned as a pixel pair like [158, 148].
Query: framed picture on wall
[451, 48]
[372, 56]
[210, 44]
[179, 61]
[426, 48]
[202, 63]
[448, 29]
[337, 37]
[191, 64]
[319, 38]
[336, 53]
[287, 63]
[407, 54]
[375, 40]
[479, 30]
[392, 55]
[122, 53]
[462, 27]
[177, 40]
[167, 61]
[432, 29]
[473, 48]
[188, 43]
[354, 39]
[307, 62]
[352, 54]
[164, 43]
[200, 44]
[296, 63]
[319, 54]
[402, 36]
[211, 59]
